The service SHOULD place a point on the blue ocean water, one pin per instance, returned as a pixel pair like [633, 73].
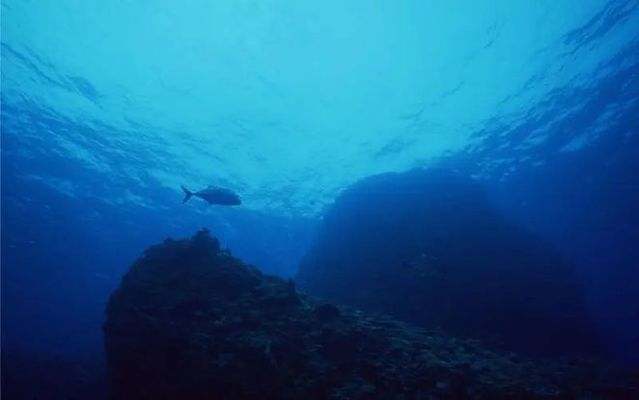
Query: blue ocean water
[109, 106]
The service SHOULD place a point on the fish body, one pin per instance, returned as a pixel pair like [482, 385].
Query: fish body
[214, 195]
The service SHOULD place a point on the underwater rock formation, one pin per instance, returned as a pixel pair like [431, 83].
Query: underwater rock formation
[189, 321]
[426, 247]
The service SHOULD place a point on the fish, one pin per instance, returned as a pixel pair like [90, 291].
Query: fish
[214, 195]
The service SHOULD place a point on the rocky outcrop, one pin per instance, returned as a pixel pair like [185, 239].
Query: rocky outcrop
[426, 247]
[189, 321]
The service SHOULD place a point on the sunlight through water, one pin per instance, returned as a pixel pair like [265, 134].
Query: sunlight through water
[288, 102]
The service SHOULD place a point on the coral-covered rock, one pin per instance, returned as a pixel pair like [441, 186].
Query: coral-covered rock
[189, 321]
[426, 247]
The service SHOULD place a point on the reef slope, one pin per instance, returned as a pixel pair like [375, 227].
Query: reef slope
[189, 321]
[428, 247]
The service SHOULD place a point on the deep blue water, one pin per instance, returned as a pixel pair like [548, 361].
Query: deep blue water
[108, 107]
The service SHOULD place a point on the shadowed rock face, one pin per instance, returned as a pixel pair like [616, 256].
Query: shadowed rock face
[426, 247]
[189, 321]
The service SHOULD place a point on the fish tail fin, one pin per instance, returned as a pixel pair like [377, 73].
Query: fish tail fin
[187, 194]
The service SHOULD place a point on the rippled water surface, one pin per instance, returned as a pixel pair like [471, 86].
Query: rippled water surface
[288, 102]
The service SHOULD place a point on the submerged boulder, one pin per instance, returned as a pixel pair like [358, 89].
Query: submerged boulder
[426, 247]
[189, 321]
